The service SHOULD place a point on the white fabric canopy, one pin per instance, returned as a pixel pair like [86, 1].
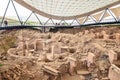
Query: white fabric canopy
[66, 9]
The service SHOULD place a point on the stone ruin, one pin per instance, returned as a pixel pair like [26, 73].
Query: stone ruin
[82, 56]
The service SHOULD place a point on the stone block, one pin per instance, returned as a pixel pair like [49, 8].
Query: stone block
[86, 31]
[117, 36]
[55, 49]
[72, 65]
[105, 36]
[90, 58]
[39, 44]
[64, 49]
[97, 35]
[112, 56]
[103, 32]
[114, 73]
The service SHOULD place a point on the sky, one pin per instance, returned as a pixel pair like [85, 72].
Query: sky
[3, 5]
[22, 11]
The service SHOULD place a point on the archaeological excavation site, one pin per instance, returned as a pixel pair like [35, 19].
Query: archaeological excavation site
[69, 54]
[59, 39]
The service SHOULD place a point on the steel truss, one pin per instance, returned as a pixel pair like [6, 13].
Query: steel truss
[107, 10]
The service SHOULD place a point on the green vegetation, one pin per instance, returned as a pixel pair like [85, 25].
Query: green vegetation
[1, 65]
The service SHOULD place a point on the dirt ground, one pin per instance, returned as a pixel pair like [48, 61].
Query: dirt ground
[69, 54]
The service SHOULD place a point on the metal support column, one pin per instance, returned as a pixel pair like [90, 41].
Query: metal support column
[65, 22]
[93, 19]
[60, 21]
[43, 28]
[38, 18]
[47, 21]
[101, 18]
[5, 13]
[52, 21]
[16, 12]
[72, 22]
[28, 18]
[77, 21]
[112, 14]
[85, 19]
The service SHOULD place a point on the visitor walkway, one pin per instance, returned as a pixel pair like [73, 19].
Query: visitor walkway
[61, 26]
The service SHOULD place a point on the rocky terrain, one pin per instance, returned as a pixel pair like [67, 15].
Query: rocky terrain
[70, 54]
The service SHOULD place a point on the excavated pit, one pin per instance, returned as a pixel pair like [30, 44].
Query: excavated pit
[69, 54]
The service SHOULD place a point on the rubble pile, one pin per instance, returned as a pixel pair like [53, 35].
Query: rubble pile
[91, 54]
